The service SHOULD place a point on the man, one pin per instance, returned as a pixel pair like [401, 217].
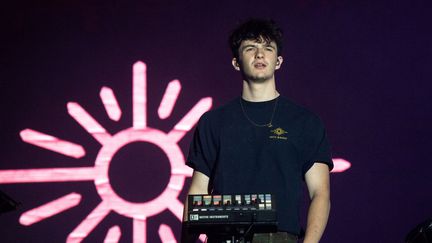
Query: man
[261, 142]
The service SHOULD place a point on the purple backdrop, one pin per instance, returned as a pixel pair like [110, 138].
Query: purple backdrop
[364, 67]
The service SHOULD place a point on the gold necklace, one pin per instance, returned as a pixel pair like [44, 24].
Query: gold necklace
[269, 124]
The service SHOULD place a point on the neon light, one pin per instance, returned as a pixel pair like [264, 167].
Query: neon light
[49, 209]
[185, 170]
[47, 175]
[166, 234]
[194, 114]
[139, 229]
[88, 122]
[89, 223]
[139, 95]
[190, 119]
[110, 102]
[120, 140]
[111, 144]
[340, 165]
[176, 208]
[52, 143]
[113, 235]
[168, 101]
[203, 237]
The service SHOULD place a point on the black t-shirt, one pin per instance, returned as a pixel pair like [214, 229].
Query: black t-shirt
[241, 157]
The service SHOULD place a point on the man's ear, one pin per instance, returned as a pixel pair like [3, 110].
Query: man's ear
[235, 64]
[279, 62]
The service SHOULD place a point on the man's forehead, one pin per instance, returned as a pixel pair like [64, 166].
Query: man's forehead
[260, 41]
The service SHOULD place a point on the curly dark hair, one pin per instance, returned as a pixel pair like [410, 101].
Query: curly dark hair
[256, 29]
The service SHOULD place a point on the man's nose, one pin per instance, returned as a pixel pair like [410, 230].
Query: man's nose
[259, 53]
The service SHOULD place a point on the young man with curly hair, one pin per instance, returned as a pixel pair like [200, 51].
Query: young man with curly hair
[263, 142]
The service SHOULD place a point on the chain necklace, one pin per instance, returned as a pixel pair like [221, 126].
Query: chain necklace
[269, 124]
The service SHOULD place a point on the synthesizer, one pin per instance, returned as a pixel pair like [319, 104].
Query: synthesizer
[232, 214]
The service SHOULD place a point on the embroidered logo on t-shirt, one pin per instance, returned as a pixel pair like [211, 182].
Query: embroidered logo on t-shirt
[278, 133]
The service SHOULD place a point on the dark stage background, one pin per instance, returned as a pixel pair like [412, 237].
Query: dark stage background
[364, 68]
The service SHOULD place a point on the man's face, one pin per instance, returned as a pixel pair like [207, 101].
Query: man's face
[257, 60]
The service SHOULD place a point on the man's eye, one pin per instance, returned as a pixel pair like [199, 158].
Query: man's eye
[269, 49]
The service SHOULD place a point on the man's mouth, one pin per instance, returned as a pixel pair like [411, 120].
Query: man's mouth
[260, 65]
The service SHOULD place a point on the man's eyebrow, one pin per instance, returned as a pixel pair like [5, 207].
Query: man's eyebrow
[270, 45]
[256, 44]
[249, 45]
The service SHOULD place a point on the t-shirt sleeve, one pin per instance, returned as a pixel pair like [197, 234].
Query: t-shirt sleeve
[317, 147]
[203, 148]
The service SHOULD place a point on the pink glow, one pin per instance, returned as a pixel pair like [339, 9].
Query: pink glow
[176, 207]
[139, 132]
[89, 223]
[166, 234]
[139, 230]
[47, 175]
[203, 237]
[113, 235]
[170, 97]
[151, 207]
[110, 102]
[340, 165]
[139, 98]
[49, 209]
[88, 122]
[184, 170]
[192, 117]
[52, 143]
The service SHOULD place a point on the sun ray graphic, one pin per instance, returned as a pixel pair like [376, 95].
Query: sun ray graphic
[110, 144]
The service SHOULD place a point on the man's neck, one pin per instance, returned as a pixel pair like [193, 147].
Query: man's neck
[258, 92]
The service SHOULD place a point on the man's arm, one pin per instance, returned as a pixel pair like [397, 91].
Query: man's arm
[199, 185]
[318, 184]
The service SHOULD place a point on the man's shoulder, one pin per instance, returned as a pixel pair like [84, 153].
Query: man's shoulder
[223, 110]
[293, 107]
[297, 111]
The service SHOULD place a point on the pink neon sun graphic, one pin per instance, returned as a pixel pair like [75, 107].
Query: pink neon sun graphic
[111, 144]
[139, 132]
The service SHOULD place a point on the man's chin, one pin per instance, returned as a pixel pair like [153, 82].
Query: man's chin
[258, 79]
